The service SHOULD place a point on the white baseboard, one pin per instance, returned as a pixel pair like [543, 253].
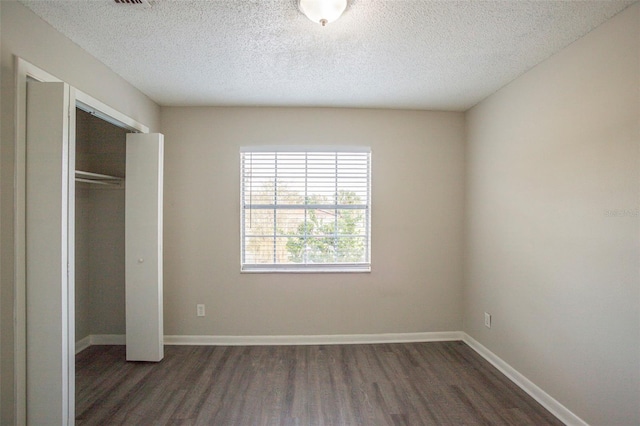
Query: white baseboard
[546, 400]
[332, 339]
[108, 339]
[83, 344]
[99, 339]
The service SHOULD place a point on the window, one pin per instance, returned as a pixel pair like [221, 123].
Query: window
[305, 209]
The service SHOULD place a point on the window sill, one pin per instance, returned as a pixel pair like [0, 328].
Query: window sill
[306, 270]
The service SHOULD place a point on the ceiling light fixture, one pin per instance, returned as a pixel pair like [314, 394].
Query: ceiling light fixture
[322, 11]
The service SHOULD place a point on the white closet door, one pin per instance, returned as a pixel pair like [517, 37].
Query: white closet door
[143, 246]
[49, 288]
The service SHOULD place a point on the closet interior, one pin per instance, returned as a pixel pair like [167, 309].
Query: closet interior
[99, 229]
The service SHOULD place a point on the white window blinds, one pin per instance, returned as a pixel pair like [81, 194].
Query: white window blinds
[305, 210]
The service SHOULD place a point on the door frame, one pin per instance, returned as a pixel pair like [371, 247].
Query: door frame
[24, 71]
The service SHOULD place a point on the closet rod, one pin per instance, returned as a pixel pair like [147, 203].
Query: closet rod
[97, 182]
[96, 176]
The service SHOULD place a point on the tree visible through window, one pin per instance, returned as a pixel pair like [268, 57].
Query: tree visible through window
[305, 210]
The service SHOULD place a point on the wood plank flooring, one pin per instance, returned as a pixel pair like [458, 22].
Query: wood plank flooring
[440, 383]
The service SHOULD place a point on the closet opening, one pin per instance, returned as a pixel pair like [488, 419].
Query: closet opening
[100, 169]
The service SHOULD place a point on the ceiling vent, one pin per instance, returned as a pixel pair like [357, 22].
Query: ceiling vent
[142, 3]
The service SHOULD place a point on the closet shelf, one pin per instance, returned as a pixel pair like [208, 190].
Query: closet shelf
[98, 179]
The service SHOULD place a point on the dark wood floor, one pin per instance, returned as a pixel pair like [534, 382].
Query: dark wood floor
[442, 383]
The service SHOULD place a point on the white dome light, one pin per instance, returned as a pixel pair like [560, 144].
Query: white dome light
[322, 11]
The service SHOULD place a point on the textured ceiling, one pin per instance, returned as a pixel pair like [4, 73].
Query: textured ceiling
[444, 55]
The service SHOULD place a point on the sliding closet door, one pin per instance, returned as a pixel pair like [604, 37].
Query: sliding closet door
[49, 229]
[143, 247]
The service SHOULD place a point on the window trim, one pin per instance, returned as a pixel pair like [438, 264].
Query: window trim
[359, 267]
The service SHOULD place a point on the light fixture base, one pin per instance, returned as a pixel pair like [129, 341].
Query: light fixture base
[322, 12]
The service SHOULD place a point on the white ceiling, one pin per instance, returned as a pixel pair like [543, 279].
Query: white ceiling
[414, 54]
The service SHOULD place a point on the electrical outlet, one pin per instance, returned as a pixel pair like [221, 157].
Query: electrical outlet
[200, 310]
[487, 319]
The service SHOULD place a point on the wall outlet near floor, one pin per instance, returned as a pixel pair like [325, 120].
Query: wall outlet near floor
[200, 310]
[487, 319]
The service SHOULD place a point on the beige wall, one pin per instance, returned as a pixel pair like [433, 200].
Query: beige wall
[549, 157]
[107, 262]
[26, 35]
[83, 262]
[417, 196]
[99, 279]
